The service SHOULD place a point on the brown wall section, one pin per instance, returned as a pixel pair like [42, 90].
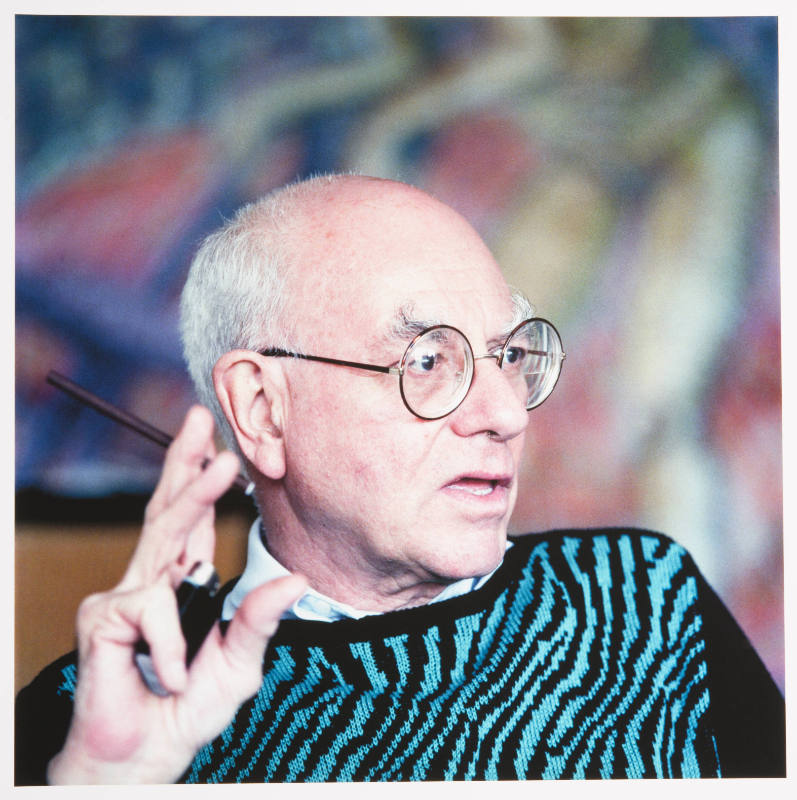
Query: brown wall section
[58, 565]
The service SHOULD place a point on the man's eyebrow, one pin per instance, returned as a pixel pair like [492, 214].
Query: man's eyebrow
[522, 309]
[405, 326]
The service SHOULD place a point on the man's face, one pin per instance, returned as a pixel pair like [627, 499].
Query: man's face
[386, 504]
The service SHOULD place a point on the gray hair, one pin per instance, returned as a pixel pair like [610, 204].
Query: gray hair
[234, 295]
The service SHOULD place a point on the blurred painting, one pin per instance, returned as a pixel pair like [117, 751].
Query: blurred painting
[624, 172]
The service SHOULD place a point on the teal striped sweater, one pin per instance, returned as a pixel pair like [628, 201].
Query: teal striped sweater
[587, 654]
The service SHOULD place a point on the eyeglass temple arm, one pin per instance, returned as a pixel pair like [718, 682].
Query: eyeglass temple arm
[545, 353]
[279, 353]
[530, 352]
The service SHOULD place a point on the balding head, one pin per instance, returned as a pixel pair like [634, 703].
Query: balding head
[301, 261]
[357, 242]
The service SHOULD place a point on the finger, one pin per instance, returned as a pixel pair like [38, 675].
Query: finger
[164, 540]
[192, 511]
[184, 457]
[160, 629]
[200, 545]
[257, 618]
[110, 624]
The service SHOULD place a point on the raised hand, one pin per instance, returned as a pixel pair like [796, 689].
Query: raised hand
[121, 732]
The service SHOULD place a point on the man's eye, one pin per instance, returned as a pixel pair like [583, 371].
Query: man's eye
[425, 363]
[428, 362]
[514, 355]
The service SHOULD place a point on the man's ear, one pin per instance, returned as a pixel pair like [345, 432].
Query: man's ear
[251, 390]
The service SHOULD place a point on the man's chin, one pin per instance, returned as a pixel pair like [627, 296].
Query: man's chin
[473, 556]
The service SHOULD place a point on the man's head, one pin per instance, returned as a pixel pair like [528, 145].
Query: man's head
[375, 505]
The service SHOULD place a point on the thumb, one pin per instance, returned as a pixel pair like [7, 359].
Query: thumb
[256, 620]
[228, 669]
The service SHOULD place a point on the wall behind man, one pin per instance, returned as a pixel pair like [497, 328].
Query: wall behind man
[624, 171]
[58, 564]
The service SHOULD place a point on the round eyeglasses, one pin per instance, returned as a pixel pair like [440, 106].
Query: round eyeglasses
[436, 371]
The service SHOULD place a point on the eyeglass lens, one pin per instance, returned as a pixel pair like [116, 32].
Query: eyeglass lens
[437, 369]
[533, 353]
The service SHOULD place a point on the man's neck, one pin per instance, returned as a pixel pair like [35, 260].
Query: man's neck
[262, 566]
[334, 574]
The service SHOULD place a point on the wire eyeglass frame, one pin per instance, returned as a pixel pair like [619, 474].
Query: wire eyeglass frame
[557, 356]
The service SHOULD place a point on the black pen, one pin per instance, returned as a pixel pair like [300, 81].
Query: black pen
[126, 418]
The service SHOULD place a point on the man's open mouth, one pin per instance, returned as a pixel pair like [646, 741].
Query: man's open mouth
[476, 486]
[481, 484]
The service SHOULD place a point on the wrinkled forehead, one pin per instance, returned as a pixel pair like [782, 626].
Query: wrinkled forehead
[368, 269]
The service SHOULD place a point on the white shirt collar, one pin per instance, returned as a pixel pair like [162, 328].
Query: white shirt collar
[262, 567]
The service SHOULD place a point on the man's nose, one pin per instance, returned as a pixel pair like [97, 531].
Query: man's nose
[492, 405]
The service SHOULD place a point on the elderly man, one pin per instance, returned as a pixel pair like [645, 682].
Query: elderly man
[368, 363]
